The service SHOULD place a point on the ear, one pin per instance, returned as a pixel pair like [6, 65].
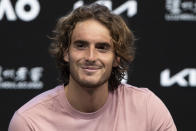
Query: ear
[66, 56]
[116, 61]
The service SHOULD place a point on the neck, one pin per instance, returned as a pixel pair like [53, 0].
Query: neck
[86, 99]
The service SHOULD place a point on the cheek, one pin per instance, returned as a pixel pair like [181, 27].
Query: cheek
[75, 57]
[108, 60]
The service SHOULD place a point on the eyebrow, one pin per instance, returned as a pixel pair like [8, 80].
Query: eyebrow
[81, 41]
[86, 42]
[104, 44]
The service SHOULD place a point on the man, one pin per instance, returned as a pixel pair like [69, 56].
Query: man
[93, 48]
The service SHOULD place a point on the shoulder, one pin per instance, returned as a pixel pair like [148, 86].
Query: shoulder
[142, 96]
[41, 105]
[133, 91]
[158, 116]
[19, 123]
[41, 99]
[134, 97]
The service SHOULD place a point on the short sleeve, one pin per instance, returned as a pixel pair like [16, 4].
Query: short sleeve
[159, 117]
[18, 123]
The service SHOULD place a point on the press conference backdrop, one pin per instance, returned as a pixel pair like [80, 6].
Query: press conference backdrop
[165, 60]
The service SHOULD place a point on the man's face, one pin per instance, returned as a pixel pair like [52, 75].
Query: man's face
[91, 54]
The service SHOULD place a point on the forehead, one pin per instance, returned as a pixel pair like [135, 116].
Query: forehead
[91, 30]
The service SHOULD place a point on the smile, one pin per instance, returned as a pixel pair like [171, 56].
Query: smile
[91, 68]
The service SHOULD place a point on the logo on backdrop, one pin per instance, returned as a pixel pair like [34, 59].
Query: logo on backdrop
[184, 78]
[124, 80]
[180, 10]
[25, 10]
[130, 6]
[21, 78]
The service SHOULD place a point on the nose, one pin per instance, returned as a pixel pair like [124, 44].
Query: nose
[91, 54]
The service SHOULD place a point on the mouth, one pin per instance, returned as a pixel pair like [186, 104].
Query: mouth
[90, 68]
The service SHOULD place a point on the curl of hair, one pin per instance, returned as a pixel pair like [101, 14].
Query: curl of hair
[122, 38]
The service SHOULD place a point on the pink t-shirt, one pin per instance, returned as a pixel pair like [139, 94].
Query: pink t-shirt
[127, 109]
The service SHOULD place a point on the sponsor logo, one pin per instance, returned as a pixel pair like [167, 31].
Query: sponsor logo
[21, 78]
[25, 10]
[180, 10]
[184, 78]
[130, 6]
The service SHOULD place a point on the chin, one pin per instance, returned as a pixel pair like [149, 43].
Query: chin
[90, 83]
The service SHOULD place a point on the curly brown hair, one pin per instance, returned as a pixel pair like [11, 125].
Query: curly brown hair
[122, 38]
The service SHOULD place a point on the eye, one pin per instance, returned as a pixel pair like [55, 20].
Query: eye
[103, 47]
[80, 45]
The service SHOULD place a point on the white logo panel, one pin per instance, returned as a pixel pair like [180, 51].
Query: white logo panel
[178, 10]
[130, 6]
[21, 78]
[12, 13]
[184, 78]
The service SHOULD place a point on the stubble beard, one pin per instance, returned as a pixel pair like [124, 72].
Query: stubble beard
[87, 83]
